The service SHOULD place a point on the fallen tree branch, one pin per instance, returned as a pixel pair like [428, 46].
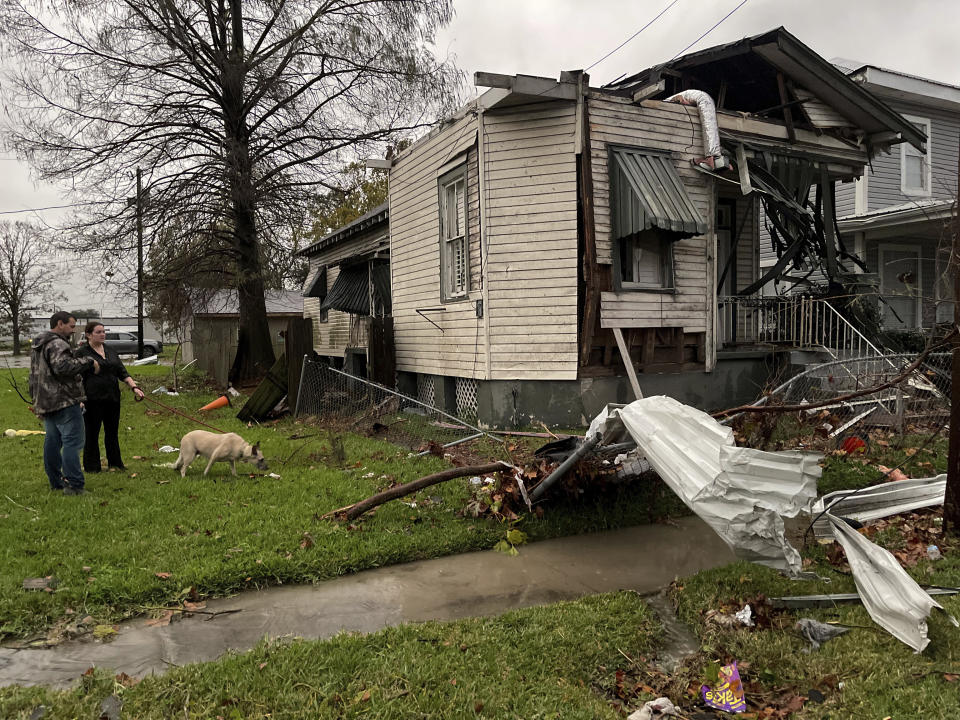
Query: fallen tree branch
[910, 369]
[351, 512]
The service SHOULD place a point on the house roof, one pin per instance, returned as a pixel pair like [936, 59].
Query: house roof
[377, 216]
[278, 302]
[915, 211]
[901, 85]
[751, 86]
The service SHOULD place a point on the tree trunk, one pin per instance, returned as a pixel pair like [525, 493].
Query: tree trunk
[951, 500]
[16, 336]
[254, 347]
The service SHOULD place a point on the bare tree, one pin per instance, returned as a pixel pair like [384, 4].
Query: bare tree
[27, 278]
[237, 112]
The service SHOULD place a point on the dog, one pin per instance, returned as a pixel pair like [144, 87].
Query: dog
[219, 448]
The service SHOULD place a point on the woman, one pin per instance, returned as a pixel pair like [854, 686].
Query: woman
[103, 399]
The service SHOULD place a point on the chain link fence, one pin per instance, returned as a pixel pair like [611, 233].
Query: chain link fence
[346, 403]
[920, 399]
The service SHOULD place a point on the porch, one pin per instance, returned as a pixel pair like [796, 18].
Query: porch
[790, 322]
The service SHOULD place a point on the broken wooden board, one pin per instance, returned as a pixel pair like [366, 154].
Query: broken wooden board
[268, 393]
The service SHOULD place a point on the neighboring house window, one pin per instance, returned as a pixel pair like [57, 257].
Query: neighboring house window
[915, 165]
[454, 246]
[646, 260]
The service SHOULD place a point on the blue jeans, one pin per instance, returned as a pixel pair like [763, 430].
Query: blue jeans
[61, 447]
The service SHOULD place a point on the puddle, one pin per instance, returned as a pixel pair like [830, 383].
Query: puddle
[642, 559]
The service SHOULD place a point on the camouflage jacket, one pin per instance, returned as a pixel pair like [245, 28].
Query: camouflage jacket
[55, 381]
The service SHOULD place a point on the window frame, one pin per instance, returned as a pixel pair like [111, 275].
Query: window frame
[444, 182]
[908, 150]
[666, 264]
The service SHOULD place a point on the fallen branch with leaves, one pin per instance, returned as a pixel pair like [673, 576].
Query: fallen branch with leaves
[351, 512]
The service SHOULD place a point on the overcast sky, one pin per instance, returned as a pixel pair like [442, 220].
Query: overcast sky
[543, 37]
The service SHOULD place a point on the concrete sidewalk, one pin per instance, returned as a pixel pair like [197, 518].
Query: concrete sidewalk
[474, 584]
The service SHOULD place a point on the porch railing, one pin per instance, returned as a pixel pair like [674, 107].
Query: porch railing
[794, 321]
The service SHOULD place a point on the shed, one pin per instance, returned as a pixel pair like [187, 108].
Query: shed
[215, 327]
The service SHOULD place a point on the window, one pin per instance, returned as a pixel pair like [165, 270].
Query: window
[649, 211]
[915, 165]
[454, 246]
[646, 261]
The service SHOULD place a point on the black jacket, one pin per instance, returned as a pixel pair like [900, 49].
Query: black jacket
[103, 386]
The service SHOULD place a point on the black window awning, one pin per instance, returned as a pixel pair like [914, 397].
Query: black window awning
[646, 192]
[316, 285]
[350, 292]
[380, 271]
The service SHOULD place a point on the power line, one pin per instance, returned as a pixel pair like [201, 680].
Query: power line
[634, 35]
[49, 207]
[720, 22]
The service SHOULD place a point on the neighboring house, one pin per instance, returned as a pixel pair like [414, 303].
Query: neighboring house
[897, 216]
[551, 231]
[347, 296]
[214, 329]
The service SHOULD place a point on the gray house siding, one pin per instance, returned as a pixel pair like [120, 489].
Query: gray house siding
[883, 185]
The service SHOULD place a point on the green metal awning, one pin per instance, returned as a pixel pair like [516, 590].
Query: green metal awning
[646, 192]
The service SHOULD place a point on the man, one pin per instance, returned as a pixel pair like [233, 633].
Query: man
[57, 390]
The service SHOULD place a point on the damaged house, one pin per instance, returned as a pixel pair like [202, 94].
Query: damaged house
[556, 246]
[347, 296]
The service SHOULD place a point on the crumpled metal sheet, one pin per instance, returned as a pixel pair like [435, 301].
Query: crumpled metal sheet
[879, 501]
[740, 492]
[890, 595]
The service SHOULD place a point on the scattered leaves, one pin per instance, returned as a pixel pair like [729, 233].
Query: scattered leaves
[161, 621]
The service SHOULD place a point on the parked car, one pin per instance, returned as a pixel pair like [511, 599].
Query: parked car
[126, 342]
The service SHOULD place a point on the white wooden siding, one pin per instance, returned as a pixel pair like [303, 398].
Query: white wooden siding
[458, 349]
[660, 126]
[531, 233]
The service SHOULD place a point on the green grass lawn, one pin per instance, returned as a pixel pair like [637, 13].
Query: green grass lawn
[106, 548]
[546, 662]
[570, 660]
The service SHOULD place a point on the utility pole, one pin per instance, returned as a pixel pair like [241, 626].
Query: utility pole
[139, 266]
[951, 501]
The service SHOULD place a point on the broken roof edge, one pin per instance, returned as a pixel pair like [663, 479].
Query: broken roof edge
[833, 77]
[378, 215]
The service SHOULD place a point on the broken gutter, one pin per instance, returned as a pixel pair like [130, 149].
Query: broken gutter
[878, 501]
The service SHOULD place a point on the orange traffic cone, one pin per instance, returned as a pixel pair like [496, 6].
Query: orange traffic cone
[220, 402]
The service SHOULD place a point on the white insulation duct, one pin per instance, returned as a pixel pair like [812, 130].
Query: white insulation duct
[708, 121]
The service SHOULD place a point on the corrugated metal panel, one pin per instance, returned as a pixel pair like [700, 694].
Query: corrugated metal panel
[350, 292]
[646, 192]
[380, 272]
